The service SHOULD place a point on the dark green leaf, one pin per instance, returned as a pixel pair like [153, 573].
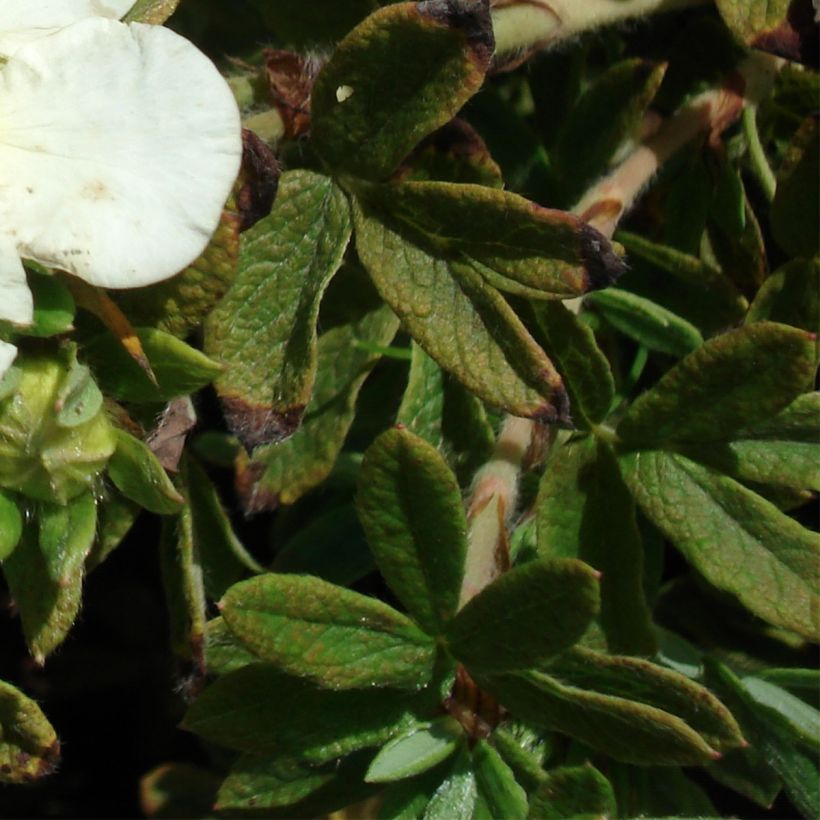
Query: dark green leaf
[431, 59]
[762, 556]
[797, 767]
[571, 345]
[513, 243]
[415, 751]
[11, 524]
[318, 22]
[53, 306]
[573, 791]
[461, 322]
[138, 475]
[259, 709]
[28, 743]
[608, 114]
[732, 381]
[222, 555]
[747, 772]
[624, 729]
[455, 798]
[264, 329]
[791, 295]
[585, 511]
[45, 571]
[527, 765]
[802, 720]
[179, 368]
[689, 272]
[497, 784]
[261, 781]
[796, 207]
[526, 616]
[411, 509]
[645, 682]
[647, 322]
[282, 473]
[437, 408]
[334, 636]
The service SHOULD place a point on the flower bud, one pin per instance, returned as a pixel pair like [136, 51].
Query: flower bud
[55, 438]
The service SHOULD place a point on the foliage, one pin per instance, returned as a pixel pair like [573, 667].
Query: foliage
[515, 376]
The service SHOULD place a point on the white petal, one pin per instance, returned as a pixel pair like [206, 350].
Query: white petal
[16, 304]
[8, 353]
[24, 20]
[118, 148]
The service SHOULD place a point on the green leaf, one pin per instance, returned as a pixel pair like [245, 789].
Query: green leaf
[464, 324]
[455, 798]
[497, 784]
[178, 790]
[411, 509]
[264, 329]
[415, 751]
[45, 571]
[797, 767]
[746, 772]
[688, 272]
[78, 399]
[179, 368]
[573, 791]
[608, 114]
[407, 799]
[585, 511]
[437, 408]
[116, 516]
[222, 555]
[795, 213]
[224, 652]
[785, 451]
[571, 345]
[624, 729]
[28, 744]
[526, 616]
[11, 524]
[647, 322]
[324, 633]
[783, 27]
[331, 546]
[803, 720]
[762, 556]
[154, 12]
[138, 475]
[526, 764]
[260, 709]
[791, 295]
[645, 682]
[734, 380]
[431, 59]
[805, 681]
[282, 473]
[259, 781]
[511, 242]
[184, 588]
[53, 305]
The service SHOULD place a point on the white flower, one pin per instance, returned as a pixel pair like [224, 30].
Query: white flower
[119, 145]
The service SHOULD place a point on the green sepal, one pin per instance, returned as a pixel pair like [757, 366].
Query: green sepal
[138, 475]
[28, 743]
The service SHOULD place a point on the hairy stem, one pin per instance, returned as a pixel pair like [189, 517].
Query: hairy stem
[525, 25]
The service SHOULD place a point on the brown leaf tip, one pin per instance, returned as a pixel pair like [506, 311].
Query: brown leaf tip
[602, 264]
[557, 411]
[259, 424]
[470, 16]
